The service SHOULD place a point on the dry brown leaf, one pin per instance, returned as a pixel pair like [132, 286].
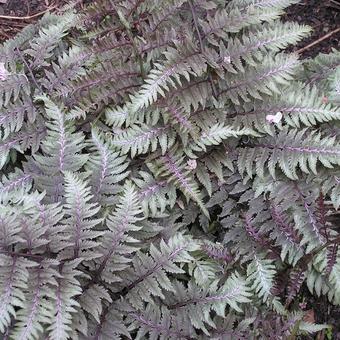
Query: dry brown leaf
[309, 316]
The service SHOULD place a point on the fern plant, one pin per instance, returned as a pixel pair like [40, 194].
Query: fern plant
[168, 171]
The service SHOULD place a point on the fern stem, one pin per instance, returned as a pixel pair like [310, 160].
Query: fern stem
[29, 70]
[135, 49]
[194, 16]
[100, 324]
[166, 331]
[135, 6]
[312, 220]
[200, 40]
[303, 262]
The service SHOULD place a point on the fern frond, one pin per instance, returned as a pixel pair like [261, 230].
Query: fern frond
[117, 116]
[279, 4]
[64, 302]
[291, 150]
[79, 219]
[179, 64]
[159, 322]
[322, 67]
[41, 47]
[12, 85]
[172, 167]
[296, 279]
[14, 277]
[69, 68]
[14, 185]
[117, 243]
[140, 139]
[107, 169]
[154, 195]
[300, 106]
[91, 300]
[238, 16]
[9, 230]
[13, 116]
[148, 277]
[266, 78]
[61, 151]
[260, 273]
[216, 134]
[29, 137]
[251, 46]
[111, 326]
[37, 310]
[215, 298]
[332, 255]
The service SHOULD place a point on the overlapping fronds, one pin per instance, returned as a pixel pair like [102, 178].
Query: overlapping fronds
[168, 171]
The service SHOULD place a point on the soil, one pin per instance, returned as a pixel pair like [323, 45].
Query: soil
[324, 313]
[26, 11]
[324, 17]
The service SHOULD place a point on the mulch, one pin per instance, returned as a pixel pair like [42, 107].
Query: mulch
[324, 17]
[26, 12]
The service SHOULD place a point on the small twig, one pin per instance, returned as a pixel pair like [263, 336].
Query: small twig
[336, 4]
[138, 56]
[9, 17]
[326, 36]
[13, 23]
[4, 35]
